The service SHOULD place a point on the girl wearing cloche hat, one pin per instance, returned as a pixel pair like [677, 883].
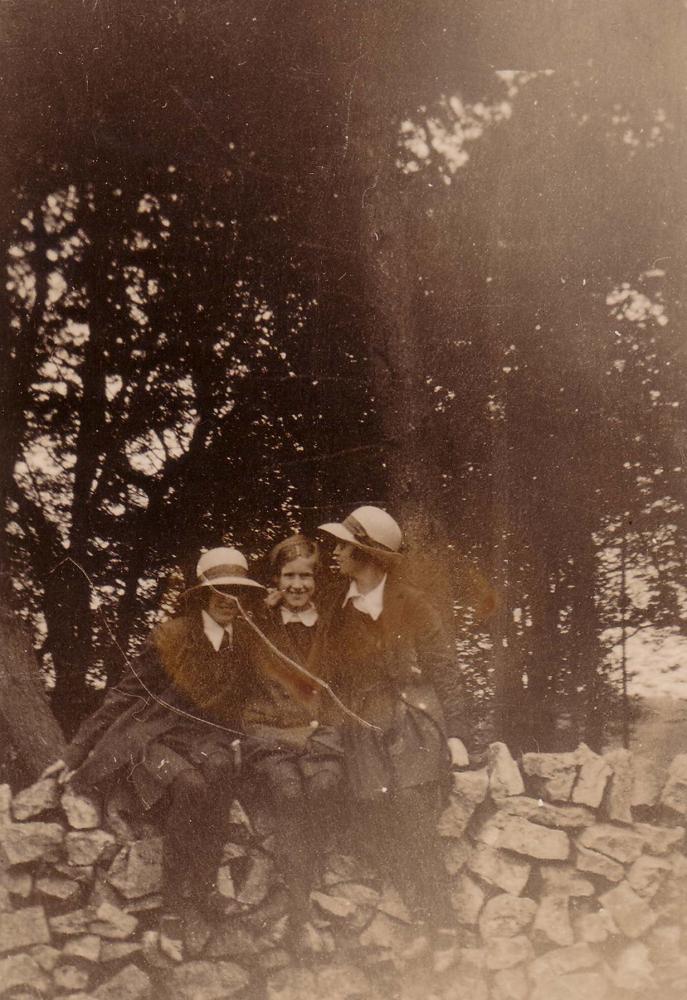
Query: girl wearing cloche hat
[382, 649]
[168, 731]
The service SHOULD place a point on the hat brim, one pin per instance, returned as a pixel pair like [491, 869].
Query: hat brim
[344, 535]
[229, 581]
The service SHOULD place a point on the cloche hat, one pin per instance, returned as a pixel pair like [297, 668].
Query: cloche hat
[370, 529]
[224, 568]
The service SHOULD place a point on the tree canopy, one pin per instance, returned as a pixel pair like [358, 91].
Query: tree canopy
[267, 261]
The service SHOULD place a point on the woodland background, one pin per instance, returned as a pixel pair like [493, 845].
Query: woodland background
[268, 260]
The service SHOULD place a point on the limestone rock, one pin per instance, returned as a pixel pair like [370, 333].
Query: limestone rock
[225, 882]
[592, 927]
[335, 906]
[465, 988]
[660, 839]
[561, 816]
[471, 786]
[645, 783]
[23, 928]
[455, 818]
[505, 952]
[291, 984]
[467, 899]
[554, 774]
[70, 977]
[633, 969]
[35, 799]
[58, 887]
[46, 956]
[82, 811]
[273, 959]
[257, 881]
[74, 922]
[392, 904]
[534, 841]
[553, 920]
[579, 986]
[674, 794]
[598, 864]
[615, 842]
[18, 883]
[342, 982]
[82, 873]
[129, 984]
[618, 801]
[561, 961]
[207, 981]
[361, 895]
[23, 842]
[510, 984]
[22, 970]
[499, 869]
[456, 854]
[505, 916]
[647, 875]
[504, 775]
[630, 912]
[384, 932]
[86, 947]
[592, 778]
[5, 804]
[564, 880]
[231, 941]
[115, 951]
[137, 869]
[85, 847]
[145, 903]
[665, 943]
[111, 922]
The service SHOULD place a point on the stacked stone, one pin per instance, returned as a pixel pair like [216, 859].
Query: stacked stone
[568, 879]
[571, 873]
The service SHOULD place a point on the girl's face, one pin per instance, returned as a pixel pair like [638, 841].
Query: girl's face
[297, 582]
[344, 556]
[222, 606]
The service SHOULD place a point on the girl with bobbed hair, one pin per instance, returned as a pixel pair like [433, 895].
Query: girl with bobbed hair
[296, 762]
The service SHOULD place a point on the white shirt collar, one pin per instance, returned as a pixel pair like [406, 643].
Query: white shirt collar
[372, 603]
[215, 632]
[306, 616]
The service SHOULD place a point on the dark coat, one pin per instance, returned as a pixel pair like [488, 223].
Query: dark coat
[152, 741]
[399, 674]
[285, 703]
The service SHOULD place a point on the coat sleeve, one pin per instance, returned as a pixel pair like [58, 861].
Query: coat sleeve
[144, 672]
[438, 662]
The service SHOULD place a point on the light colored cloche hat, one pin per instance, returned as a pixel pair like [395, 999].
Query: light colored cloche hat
[370, 529]
[224, 568]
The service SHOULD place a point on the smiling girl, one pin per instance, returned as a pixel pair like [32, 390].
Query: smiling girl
[296, 763]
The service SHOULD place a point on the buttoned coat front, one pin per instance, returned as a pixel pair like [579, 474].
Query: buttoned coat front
[400, 676]
[178, 702]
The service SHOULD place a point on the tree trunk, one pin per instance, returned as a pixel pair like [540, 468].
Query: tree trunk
[26, 722]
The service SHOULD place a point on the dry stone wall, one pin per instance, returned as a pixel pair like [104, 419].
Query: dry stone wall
[567, 872]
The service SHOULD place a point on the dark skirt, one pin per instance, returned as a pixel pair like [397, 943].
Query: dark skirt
[410, 751]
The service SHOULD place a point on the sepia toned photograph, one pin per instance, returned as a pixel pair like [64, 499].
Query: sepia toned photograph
[343, 453]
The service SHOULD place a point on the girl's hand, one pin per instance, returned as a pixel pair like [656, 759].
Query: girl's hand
[274, 598]
[459, 755]
[58, 769]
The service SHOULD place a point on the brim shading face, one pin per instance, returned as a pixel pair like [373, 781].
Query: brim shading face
[341, 532]
[229, 581]
[338, 530]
